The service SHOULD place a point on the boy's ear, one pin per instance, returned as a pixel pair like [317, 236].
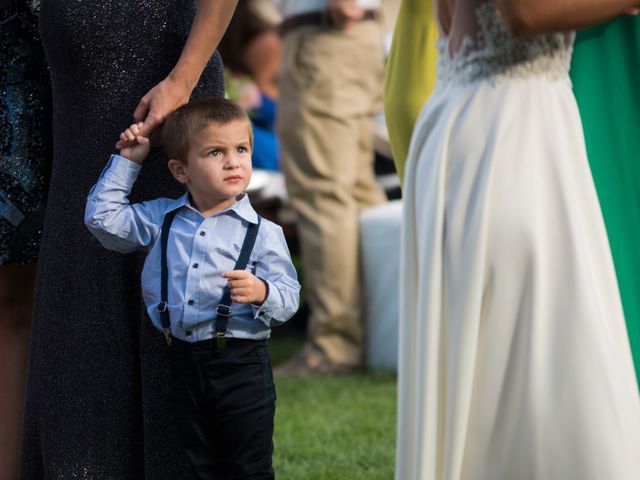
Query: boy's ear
[178, 170]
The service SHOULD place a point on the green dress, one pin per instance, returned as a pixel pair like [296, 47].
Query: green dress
[410, 74]
[606, 76]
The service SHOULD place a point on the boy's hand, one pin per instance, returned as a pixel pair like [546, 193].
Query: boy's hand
[132, 145]
[246, 287]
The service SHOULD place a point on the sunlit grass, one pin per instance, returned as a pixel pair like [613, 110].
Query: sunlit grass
[333, 427]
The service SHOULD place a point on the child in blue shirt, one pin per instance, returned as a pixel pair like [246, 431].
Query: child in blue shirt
[216, 278]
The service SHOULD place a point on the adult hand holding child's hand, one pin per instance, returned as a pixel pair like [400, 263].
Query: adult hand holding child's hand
[246, 287]
[133, 145]
[158, 103]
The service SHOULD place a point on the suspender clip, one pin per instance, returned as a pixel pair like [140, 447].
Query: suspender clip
[220, 340]
[162, 307]
[223, 310]
[167, 336]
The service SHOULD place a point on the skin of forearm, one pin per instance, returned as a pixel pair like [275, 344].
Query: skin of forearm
[524, 17]
[210, 22]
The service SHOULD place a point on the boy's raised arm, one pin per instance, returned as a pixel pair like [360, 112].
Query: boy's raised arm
[111, 219]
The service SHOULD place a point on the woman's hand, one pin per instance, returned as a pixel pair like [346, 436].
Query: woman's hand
[158, 103]
[209, 24]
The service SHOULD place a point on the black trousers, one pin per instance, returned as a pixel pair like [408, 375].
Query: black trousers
[223, 404]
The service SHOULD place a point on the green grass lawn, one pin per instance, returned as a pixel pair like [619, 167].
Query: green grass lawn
[333, 427]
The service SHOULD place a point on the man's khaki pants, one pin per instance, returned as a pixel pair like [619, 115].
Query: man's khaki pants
[330, 87]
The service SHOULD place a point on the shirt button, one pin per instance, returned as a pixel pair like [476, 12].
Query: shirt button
[188, 333]
[195, 265]
[202, 234]
[190, 302]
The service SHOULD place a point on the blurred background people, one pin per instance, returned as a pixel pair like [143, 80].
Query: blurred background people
[251, 50]
[330, 88]
[25, 162]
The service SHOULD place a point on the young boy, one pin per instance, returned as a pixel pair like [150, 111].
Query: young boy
[214, 307]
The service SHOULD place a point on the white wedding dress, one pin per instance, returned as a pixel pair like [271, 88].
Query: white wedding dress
[514, 357]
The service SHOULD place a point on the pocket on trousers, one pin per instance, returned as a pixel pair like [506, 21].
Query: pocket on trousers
[305, 63]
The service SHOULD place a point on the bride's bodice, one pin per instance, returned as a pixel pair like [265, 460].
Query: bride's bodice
[493, 53]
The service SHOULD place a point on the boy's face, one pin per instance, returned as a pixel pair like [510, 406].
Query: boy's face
[218, 166]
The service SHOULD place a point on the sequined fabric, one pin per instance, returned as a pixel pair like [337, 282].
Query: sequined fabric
[25, 135]
[96, 405]
[493, 53]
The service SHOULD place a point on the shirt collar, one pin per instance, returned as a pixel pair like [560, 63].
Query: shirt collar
[242, 207]
[177, 203]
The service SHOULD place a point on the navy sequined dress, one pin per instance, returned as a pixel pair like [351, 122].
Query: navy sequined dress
[96, 405]
[25, 134]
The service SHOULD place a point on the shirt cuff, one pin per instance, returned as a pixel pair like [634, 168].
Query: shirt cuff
[121, 171]
[269, 308]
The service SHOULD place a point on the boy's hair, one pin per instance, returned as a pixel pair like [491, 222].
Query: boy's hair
[195, 115]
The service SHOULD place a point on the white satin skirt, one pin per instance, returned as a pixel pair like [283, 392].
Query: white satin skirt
[514, 361]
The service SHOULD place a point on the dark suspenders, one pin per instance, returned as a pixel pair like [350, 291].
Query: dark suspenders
[223, 310]
[164, 276]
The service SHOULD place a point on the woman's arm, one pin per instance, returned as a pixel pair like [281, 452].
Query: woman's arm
[210, 22]
[525, 17]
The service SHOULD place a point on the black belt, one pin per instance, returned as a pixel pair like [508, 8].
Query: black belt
[318, 19]
[212, 343]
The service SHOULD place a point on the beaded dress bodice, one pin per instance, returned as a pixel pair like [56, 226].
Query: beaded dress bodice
[493, 53]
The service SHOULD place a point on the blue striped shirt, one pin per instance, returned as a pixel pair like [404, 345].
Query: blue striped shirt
[199, 251]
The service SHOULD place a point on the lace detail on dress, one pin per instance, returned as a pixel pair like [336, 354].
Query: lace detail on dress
[495, 53]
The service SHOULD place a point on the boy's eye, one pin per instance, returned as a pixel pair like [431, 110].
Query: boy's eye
[214, 153]
[242, 149]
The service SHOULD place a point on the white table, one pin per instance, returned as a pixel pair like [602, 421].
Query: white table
[380, 252]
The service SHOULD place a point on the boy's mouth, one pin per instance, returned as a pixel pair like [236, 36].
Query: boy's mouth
[233, 178]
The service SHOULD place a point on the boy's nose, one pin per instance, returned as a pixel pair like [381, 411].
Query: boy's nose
[232, 161]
